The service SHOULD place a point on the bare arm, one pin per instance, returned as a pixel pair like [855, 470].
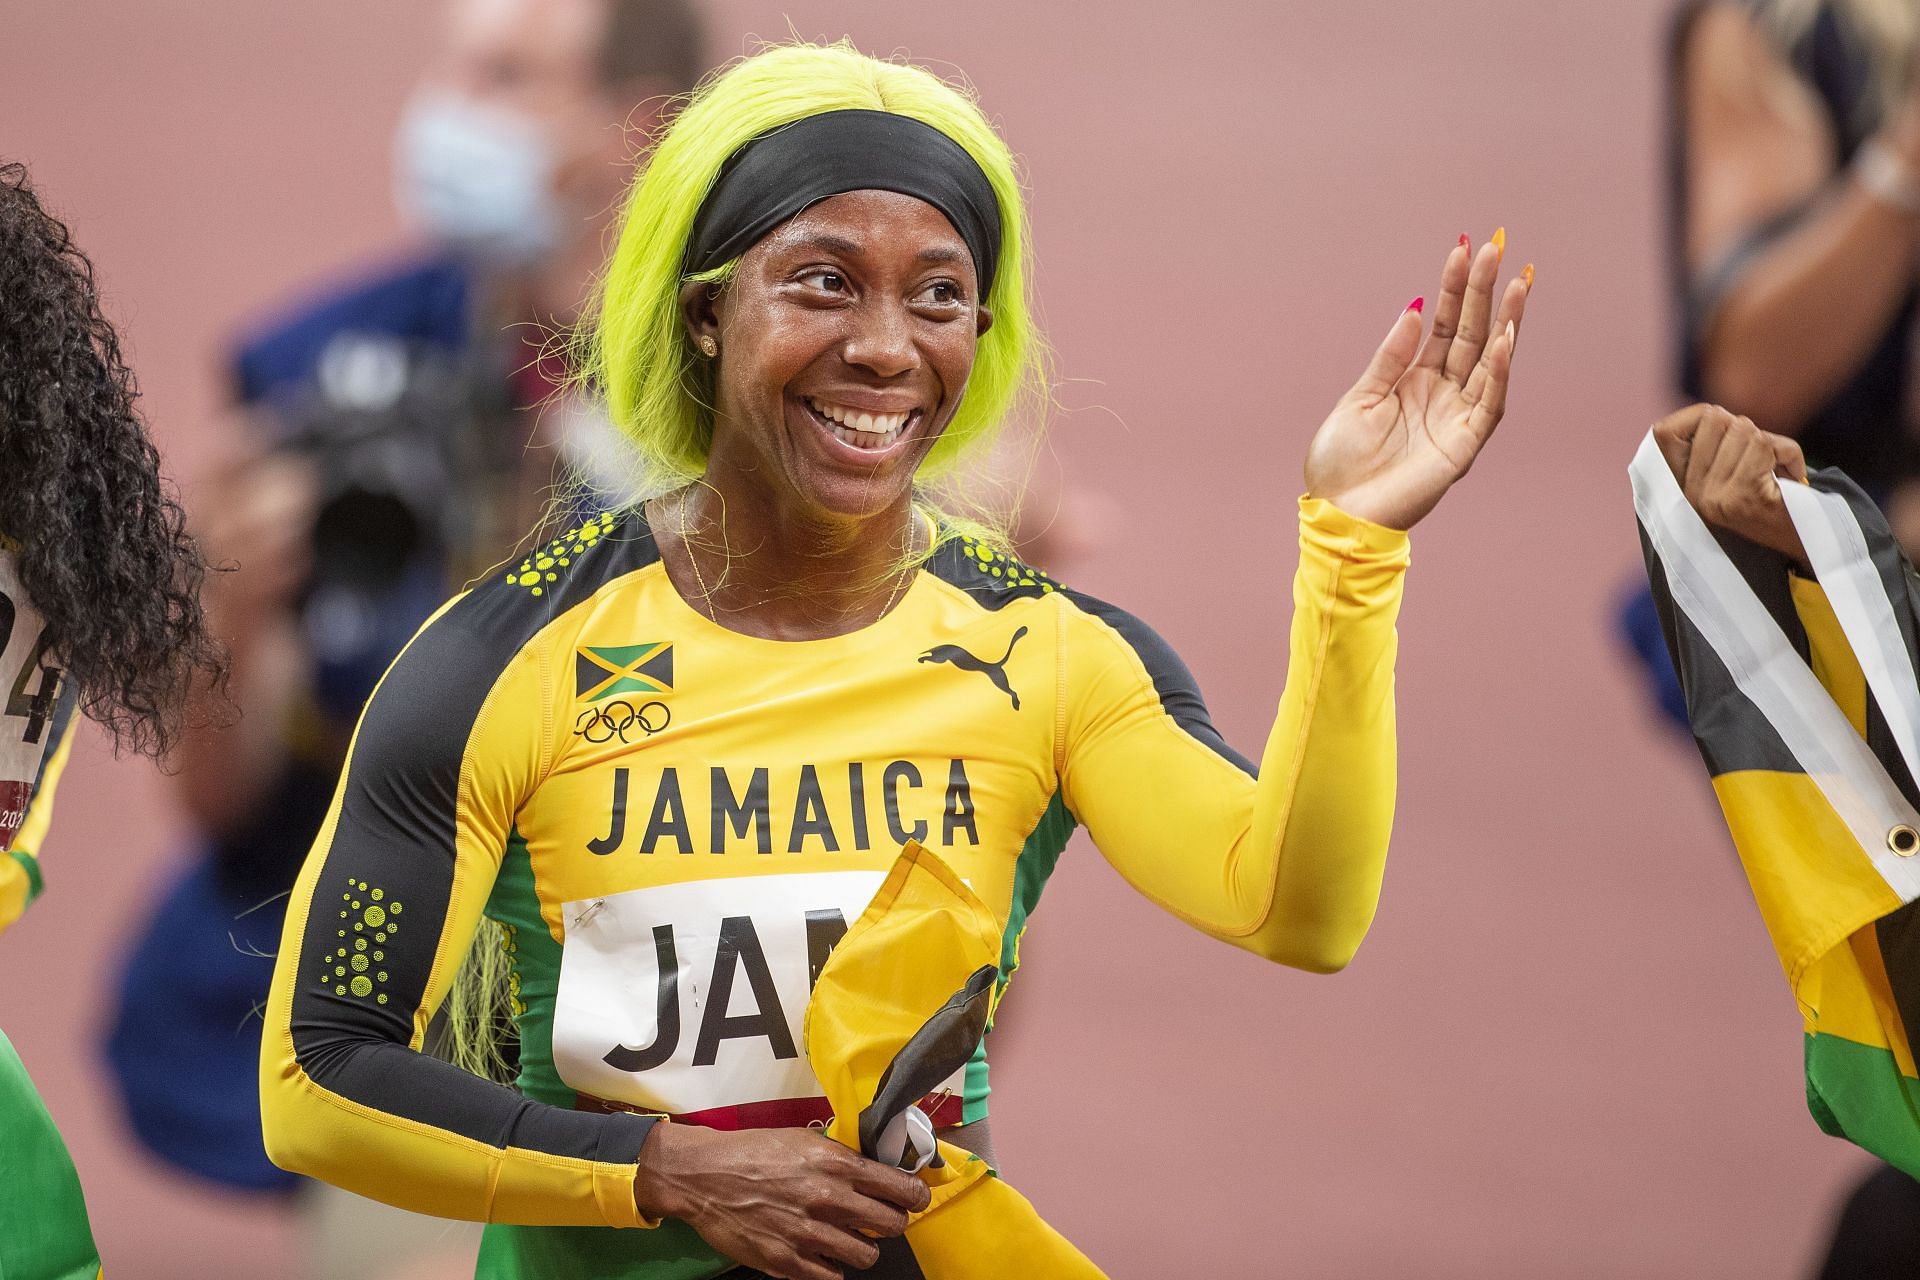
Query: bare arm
[1758, 146]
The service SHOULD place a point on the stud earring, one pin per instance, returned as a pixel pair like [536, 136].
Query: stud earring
[708, 347]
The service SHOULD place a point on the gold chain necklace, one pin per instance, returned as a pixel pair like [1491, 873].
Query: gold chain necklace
[901, 579]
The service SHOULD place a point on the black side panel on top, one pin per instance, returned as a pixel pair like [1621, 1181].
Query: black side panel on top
[1179, 691]
[993, 579]
[381, 898]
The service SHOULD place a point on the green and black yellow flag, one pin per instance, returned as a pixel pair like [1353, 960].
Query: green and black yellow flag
[1804, 700]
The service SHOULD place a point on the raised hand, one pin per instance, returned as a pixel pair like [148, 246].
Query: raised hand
[1730, 471]
[1420, 414]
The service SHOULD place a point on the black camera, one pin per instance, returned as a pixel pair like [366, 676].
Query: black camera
[410, 442]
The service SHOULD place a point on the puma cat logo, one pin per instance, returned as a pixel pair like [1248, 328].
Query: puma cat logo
[994, 671]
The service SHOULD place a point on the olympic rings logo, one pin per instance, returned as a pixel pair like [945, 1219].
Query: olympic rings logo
[614, 719]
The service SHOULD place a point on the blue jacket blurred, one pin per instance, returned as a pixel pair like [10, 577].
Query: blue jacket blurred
[184, 1044]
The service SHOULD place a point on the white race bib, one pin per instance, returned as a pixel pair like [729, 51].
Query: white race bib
[28, 694]
[686, 997]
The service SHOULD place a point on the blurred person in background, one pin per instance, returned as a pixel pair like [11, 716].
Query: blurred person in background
[393, 450]
[1794, 238]
[99, 616]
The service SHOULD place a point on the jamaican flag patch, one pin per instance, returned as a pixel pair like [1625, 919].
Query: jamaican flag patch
[602, 671]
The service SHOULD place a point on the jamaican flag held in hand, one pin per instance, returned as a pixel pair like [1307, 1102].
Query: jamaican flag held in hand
[1804, 700]
[899, 1007]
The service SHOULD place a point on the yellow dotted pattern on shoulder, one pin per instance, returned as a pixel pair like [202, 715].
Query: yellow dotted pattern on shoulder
[357, 966]
[510, 943]
[542, 569]
[1004, 570]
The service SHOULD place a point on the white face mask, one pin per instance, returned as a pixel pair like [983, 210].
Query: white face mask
[477, 177]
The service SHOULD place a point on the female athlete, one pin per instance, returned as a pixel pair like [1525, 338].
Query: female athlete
[99, 612]
[673, 753]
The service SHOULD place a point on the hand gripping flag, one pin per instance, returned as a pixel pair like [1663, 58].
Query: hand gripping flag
[1805, 703]
[900, 1006]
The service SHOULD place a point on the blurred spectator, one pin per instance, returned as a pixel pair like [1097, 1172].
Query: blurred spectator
[1794, 171]
[1796, 180]
[394, 453]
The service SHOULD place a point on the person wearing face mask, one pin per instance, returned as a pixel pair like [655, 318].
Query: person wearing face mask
[391, 451]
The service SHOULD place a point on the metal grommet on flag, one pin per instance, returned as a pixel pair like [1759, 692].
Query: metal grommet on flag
[1904, 841]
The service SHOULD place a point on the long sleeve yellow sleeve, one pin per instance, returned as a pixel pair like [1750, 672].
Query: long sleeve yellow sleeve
[1285, 861]
[384, 909]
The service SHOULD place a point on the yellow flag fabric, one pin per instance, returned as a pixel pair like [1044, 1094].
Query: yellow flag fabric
[899, 1007]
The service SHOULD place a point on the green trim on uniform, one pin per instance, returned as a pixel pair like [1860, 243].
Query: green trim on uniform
[673, 1251]
[31, 865]
[536, 971]
[974, 1086]
[1039, 855]
[44, 1233]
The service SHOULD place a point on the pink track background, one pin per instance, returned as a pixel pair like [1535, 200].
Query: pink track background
[1566, 1049]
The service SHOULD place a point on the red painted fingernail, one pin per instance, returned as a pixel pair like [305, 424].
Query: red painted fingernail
[1464, 242]
[1416, 306]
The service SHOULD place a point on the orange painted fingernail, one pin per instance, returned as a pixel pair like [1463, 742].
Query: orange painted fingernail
[1416, 306]
[1526, 277]
[1499, 240]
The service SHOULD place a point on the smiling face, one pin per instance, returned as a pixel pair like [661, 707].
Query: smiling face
[845, 340]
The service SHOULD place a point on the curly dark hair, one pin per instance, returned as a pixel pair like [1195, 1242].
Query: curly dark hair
[103, 550]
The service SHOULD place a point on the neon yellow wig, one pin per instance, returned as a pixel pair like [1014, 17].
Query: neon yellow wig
[639, 351]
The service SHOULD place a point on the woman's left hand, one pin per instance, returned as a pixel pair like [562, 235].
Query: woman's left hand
[1413, 425]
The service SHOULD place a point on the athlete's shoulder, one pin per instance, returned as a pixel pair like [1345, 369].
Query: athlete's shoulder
[995, 580]
[1090, 616]
[992, 578]
[1141, 660]
[522, 596]
[486, 627]
[433, 693]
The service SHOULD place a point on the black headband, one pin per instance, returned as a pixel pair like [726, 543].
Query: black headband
[796, 165]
